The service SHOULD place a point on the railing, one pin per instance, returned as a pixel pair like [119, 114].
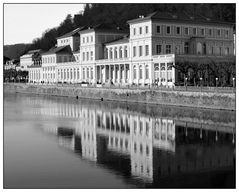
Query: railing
[139, 87]
[103, 61]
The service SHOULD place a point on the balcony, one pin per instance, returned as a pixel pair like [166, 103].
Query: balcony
[110, 61]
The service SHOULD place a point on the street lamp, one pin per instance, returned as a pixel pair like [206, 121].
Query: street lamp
[186, 82]
[216, 81]
[201, 83]
[233, 81]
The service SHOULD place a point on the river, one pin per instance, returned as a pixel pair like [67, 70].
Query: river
[60, 142]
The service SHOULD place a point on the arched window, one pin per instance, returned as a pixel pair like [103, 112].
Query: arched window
[140, 72]
[125, 52]
[111, 53]
[120, 52]
[147, 72]
[199, 48]
[115, 53]
[204, 49]
[163, 75]
[135, 72]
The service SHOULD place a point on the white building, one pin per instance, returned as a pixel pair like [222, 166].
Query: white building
[29, 58]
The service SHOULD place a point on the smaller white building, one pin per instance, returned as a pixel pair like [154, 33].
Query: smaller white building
[29, 58]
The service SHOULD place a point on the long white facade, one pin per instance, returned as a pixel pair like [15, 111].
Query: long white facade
[108, 57]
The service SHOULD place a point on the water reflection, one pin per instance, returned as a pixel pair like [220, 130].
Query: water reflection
[145, 148]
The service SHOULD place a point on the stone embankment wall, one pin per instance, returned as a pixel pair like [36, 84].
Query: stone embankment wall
[211, 100]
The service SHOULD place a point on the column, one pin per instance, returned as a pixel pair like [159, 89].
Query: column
[166, 71]
[100, 73]
[137, 74]
[110, 74]
[159, 74]
[105, 78]
[173, 74]
[151, 72]
[108, 52]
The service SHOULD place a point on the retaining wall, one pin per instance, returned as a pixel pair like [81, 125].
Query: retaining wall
[211, 100]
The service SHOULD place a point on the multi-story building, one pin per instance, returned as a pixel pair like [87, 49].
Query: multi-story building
[146, 55]
[31, 57]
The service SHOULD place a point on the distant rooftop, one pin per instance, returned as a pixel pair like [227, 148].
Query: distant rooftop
[34, 51]
[72, 33]
[124, 39]
[104, 28]
[55, 50]
[178, 16]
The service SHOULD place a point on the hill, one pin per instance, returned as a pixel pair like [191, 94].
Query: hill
[15, 51]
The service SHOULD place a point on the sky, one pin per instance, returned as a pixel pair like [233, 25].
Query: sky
[25, 22]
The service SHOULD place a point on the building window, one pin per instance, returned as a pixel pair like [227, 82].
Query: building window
[140, 30]
[186, 48]
[186, 31]
[158, 29]
[83, 39]
[146, 50]
[163, 75]
[134, 31]
[169, 70]
[91, 55]
[111, 53]
[226, 51]
[212, 50]
[158, 49]
[227, 33]
[83, 56]
[91, 73]
[140, 51]
[91, 38]
[210, 32]
[178, 30]
[194, 31]
[115, 53]
[146, 29]
[219, 32]
[168, 30]
[87, 56]
[140, 72]
[135, 72]
[125, 52]
[147, 73]
[134, 51]
[87, 39]
[168, 49]
[202, 31]
[120, 52]
[220, 50]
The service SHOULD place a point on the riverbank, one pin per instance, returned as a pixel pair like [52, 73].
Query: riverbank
[209, 100]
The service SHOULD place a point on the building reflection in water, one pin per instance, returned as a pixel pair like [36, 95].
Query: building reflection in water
[142, 146]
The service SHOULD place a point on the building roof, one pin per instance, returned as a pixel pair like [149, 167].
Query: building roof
[124, 39]
[178, 17]
[34, 51]
[55, 50]
[72, 33]
[103, 28]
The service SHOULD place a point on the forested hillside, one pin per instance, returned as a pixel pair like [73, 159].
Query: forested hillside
[118, 14]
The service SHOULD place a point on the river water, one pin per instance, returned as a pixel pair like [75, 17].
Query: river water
[53, 142]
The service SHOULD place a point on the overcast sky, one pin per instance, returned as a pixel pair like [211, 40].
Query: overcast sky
[24, 22]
